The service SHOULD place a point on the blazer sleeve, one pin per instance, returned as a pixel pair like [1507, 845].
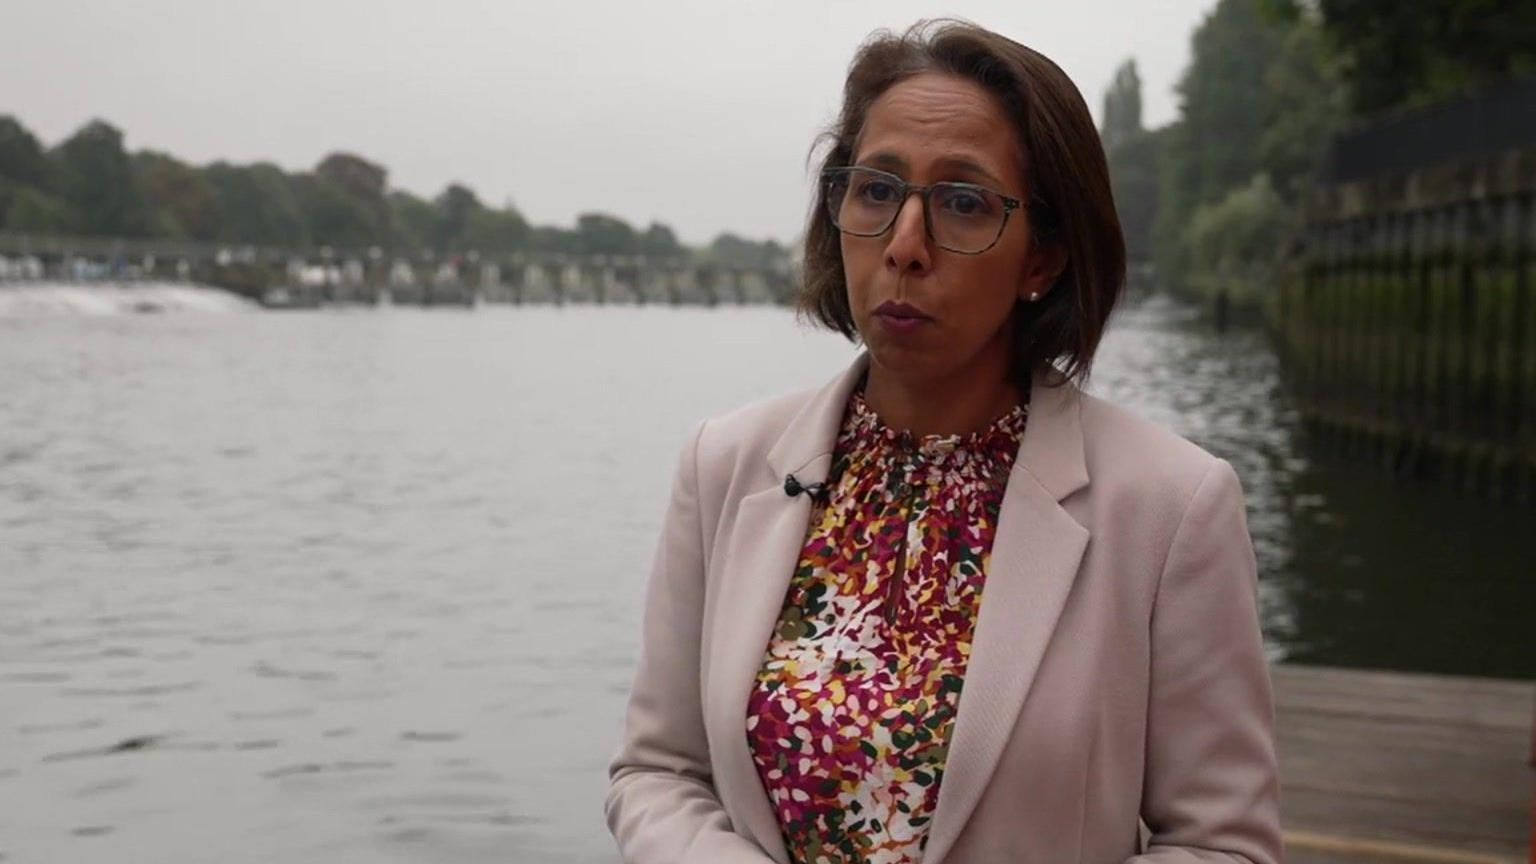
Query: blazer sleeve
[1211, 792]
[661, 805]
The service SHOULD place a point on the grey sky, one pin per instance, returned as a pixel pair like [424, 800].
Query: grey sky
[697, 114]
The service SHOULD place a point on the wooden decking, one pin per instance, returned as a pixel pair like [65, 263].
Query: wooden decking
[1390, 767]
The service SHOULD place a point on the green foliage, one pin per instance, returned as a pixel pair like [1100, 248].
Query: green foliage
[257, 204]
[455, 207]
[32, 211]
[1271, 83]
[331, 216]
[1226, 109]
[1132, 152]
[1308, 98]
[1233, 242]
[90, 184]
[1133, 166]
[547, 238]
[360, 179]
[22, 160]
[184, 202]
[1122, 107]
[1225, 100]
[658, 240]
[601, 234]
[734, 250]
[98, 184]
[363, 185]
[1412, 52]
[414, 221]
[502, 230]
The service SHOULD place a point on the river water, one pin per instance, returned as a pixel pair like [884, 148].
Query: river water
[361, 586]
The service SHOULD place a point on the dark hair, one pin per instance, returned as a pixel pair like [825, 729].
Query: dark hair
[1063, 166]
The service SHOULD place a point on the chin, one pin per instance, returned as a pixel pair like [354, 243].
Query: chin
[906, 361]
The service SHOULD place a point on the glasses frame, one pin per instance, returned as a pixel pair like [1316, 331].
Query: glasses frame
[905, 190]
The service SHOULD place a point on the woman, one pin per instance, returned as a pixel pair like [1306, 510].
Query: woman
[949, 608]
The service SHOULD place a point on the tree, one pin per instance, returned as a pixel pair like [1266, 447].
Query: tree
[90, 184]
[502, 230]
[732, 249]
[354, 175]
[601, 234]
[364, 184]
[1309, 108]
[331, 216]
[1225, 109]
[455, 207]
[659, 240]
[31, 211]
[1132, 153]
[98, 183]
[183, 202]
[413, 221]
[1122, 107]
[257, 204]
[550, 238]
[22, 160]
[1233, 242]
[1411, 52]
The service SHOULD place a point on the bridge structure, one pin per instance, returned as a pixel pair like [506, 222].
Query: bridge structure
[327, 275]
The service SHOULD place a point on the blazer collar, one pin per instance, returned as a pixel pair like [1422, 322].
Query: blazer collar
[1051, 452]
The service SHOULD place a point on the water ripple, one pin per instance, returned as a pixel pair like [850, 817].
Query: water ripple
[376, 578]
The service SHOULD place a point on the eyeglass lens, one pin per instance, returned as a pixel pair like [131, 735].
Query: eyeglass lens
[961, 217]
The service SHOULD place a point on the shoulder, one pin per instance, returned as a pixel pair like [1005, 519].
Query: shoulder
[756, 422]
[1131, 455]
[726, 441]
[1148, 487]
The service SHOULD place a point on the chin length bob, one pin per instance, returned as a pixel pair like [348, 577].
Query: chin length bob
[1064, 169]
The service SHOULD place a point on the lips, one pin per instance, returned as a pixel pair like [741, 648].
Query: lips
[902, 320]
[902, 312]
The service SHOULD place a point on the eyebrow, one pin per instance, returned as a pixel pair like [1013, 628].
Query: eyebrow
[888, 161]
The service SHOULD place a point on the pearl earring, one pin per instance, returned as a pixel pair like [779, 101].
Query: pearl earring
[1033, 296]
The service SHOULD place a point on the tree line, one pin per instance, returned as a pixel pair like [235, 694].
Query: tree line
[1208, 201]
[90, 185]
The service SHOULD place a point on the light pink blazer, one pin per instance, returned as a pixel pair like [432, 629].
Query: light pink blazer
[1116, 674]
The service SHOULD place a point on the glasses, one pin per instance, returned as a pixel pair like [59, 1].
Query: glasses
[959, 217]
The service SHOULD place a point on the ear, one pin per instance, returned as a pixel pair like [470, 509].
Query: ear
[1045, 265]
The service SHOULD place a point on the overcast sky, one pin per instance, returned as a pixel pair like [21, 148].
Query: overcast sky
[696, 114]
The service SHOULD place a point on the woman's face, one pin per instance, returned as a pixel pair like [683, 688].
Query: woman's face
[928, 129]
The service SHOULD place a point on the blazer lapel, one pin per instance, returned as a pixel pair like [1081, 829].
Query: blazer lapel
[1034, 561]
[763, 548]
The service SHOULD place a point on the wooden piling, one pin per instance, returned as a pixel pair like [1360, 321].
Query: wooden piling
[1411, 339]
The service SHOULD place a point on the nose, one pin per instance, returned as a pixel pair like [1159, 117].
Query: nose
[908, 249]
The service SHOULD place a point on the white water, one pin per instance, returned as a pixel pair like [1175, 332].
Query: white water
[54, 299]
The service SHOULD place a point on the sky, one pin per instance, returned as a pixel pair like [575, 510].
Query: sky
[699, 115]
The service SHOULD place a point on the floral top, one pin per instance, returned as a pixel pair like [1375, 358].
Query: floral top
[850, 717]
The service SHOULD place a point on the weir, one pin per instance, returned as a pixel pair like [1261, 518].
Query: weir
[290, 277]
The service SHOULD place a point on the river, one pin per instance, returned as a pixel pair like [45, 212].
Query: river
[361, 586]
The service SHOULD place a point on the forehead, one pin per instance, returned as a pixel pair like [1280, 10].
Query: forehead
[933, 117]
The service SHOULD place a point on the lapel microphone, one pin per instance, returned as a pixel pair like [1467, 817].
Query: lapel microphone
[817, 491]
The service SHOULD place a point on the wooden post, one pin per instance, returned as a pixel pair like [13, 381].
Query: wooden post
[1526, 375]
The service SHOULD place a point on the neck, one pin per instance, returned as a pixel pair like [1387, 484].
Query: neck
[965, 401]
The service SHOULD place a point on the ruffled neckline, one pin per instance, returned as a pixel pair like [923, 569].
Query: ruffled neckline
[998, 443]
